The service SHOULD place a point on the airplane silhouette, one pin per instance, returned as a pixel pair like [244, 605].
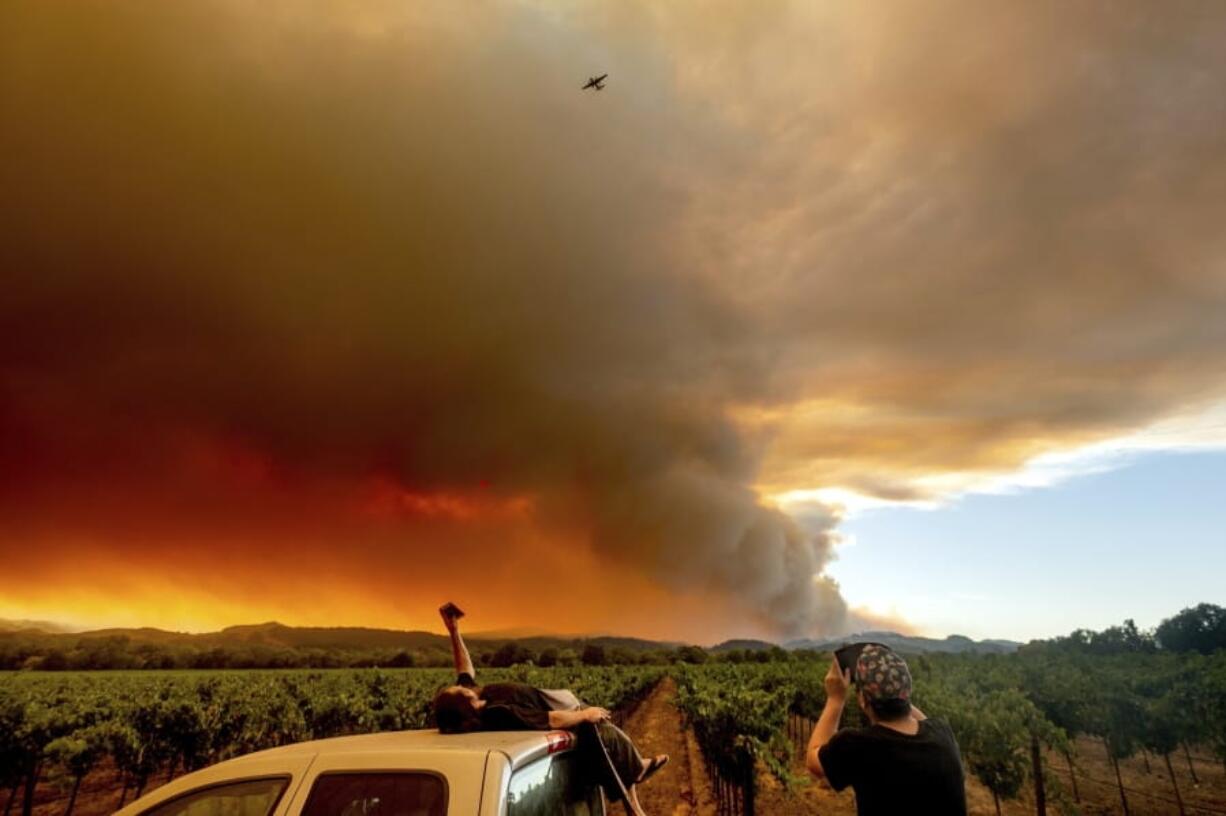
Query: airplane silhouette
[595, 82]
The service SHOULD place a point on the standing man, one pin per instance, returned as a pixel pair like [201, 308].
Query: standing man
[903, 762]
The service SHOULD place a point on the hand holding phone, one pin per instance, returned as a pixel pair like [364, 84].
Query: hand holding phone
[450, 612]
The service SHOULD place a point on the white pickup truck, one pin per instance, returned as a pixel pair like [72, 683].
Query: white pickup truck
[398, 773]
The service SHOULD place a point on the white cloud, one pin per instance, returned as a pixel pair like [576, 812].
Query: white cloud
[1192, 430]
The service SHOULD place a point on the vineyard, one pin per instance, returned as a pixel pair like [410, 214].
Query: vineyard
[59, 728]
[1025, 722]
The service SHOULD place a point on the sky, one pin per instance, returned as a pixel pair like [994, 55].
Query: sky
[1135, 542]
[330, 312]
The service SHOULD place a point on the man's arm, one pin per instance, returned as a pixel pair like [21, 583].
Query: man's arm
[459, 652]
[569, 719]
[837, 682]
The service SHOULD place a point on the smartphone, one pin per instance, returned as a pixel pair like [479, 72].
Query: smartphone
[849, 654]
[451, 611]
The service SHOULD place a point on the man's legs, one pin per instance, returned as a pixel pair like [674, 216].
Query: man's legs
[626, 759]
[611, 758]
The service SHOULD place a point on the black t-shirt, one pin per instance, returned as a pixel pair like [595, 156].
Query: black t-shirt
[509, 706]
[898, 773]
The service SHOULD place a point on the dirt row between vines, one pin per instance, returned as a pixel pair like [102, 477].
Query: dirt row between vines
[681, 788]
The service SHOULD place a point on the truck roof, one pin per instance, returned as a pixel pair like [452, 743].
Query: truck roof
[467, 755]
[519, 747]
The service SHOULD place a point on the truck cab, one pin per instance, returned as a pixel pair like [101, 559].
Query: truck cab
[398, 773]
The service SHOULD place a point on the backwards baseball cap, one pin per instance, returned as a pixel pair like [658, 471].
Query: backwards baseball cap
[882, 675]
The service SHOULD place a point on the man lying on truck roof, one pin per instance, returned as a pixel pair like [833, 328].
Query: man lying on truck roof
[467, 706]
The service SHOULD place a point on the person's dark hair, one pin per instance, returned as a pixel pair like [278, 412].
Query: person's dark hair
[889, 710]
[454, 712]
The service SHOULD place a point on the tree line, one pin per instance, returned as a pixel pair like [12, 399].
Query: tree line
[1200, 628]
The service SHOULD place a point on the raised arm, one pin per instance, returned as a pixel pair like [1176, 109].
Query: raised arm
[459, 652]
[837, 682]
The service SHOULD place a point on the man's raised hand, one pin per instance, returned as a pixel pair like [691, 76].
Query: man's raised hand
[450, 613]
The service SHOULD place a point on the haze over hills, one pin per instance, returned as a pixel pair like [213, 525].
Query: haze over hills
[20, 625]
[907, 644]
[911, 644]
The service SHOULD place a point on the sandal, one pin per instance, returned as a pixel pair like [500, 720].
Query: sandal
[656, 764]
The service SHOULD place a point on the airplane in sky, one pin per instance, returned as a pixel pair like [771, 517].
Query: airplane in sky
[596, 82]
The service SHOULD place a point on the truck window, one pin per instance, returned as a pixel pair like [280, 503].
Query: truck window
[251, 797]
[554, 786]
[377, 794]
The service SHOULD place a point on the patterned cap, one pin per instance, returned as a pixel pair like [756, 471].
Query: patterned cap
[882, 675]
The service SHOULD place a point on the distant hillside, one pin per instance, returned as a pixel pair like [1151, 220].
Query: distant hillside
[38, 645]
[909, 644]
[273, 635]
[342, 638]
[743, 645]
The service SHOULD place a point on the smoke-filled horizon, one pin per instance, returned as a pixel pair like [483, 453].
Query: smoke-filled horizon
[330, 312]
